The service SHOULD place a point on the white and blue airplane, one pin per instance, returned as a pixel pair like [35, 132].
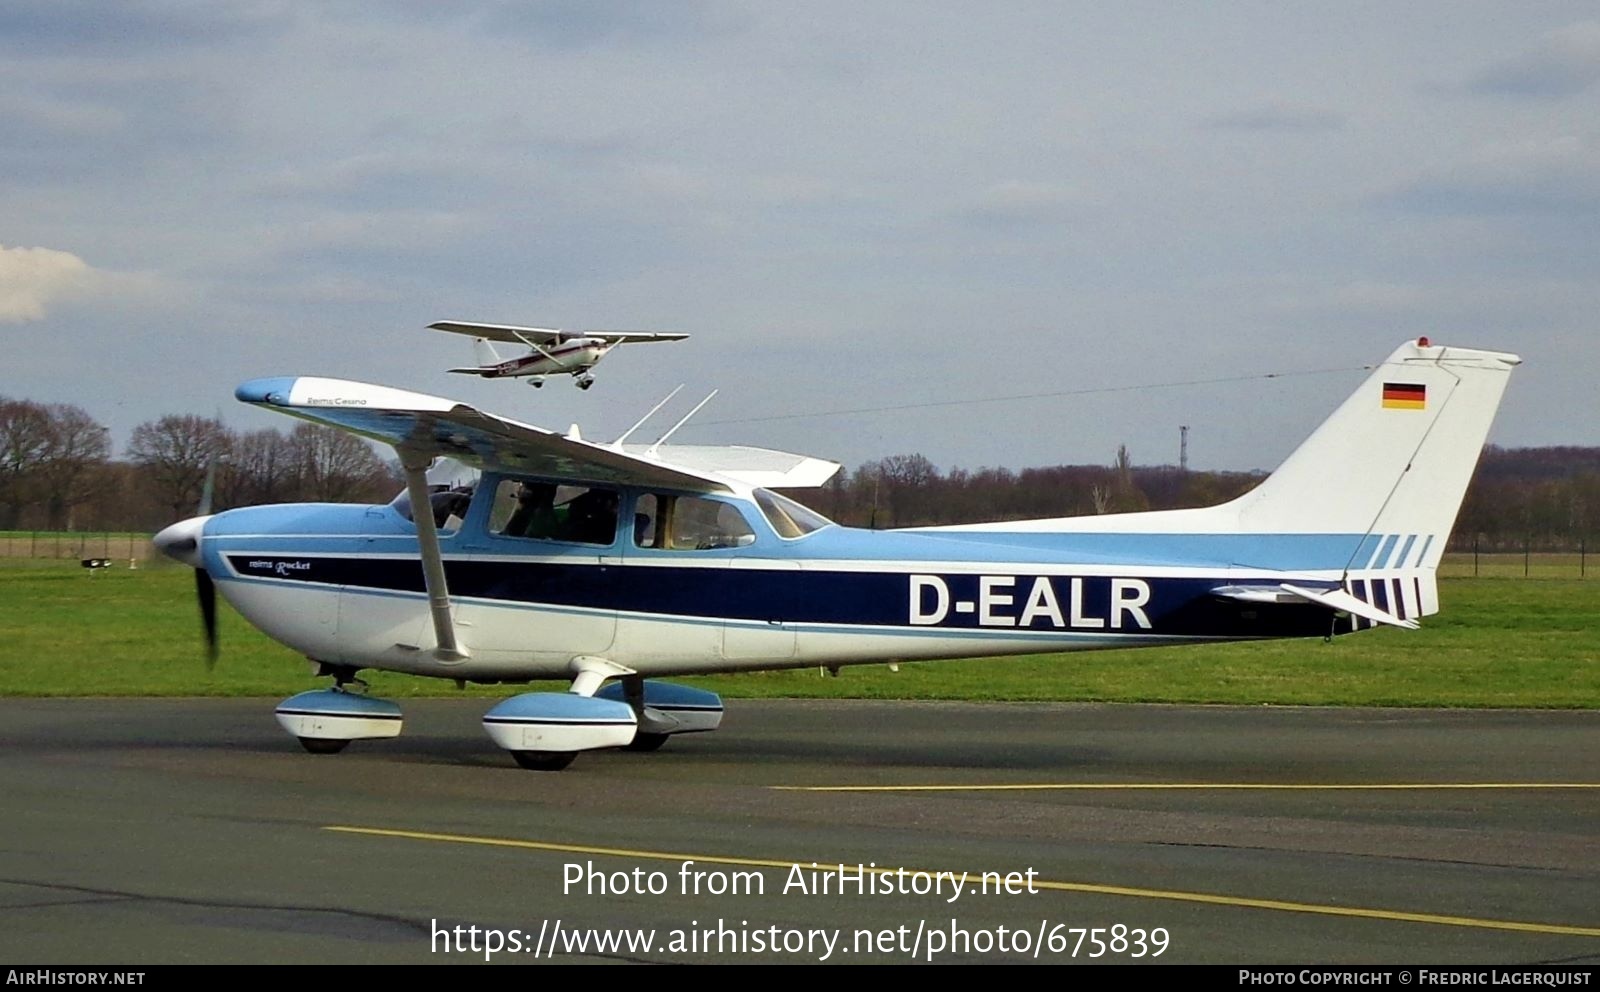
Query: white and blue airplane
[609, 564]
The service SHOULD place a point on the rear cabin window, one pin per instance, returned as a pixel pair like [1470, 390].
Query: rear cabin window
[546, 511]
[688, 523]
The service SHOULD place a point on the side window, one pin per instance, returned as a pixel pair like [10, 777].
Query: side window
[545, 511]
[688, 523]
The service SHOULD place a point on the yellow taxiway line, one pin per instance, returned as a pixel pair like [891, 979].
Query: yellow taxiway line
[1081, 887]
[1192, 787]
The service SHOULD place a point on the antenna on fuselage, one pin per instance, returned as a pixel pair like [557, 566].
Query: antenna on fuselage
[663, 438]
[618, 442]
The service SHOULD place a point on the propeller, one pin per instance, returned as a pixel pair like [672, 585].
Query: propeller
[205, 591]
[181, 542]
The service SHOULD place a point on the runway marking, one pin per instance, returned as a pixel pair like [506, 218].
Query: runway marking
[1238, 902]
[1190, 786]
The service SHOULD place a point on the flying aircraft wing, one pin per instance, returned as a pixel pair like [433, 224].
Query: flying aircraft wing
[435, 426]
[500, 332]
[546, 335]
[635, 337]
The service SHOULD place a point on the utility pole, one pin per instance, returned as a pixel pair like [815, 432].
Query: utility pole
[1183, 448]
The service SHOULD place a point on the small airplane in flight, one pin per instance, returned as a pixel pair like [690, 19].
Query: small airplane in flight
[610, 565]
[551, 351]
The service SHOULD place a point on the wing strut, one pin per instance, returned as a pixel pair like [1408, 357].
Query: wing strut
[444, 628]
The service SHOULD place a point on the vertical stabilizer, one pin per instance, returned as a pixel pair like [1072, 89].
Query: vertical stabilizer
[1395, 458]
[483, 352]
[1384, 476]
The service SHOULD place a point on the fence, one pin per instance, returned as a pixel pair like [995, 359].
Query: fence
[75, 544]
[1515, 565]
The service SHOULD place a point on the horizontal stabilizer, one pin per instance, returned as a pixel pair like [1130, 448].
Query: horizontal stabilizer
[1334, 599]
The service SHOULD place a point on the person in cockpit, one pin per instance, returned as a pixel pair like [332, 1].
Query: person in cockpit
[535, 515]
[592, 518]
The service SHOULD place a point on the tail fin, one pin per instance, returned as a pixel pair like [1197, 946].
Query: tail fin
[1394, 459]
[1381, 480]
[486, 356]
[484, 352]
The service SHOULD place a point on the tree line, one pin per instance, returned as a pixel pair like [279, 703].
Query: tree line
[1546, 499]
[57, 473]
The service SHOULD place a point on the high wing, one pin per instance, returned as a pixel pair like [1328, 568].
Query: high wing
[755, 467]
[635, 337]
[432, 426]
[546, 335]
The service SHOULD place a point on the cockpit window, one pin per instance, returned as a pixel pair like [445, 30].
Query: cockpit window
[449, 505]
[546, 511]
[688, 523]
[788, 518]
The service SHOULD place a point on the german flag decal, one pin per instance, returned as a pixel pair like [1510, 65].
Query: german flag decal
[1405, 396]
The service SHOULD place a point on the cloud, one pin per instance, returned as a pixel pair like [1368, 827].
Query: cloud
[31, 278]
[37, 27]
[1277, 117]
[1565, 62]
[580, 24]
[34, 280]
[1014, 203]
[1558, 176]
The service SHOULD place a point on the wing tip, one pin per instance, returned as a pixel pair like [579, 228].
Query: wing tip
[270, 389]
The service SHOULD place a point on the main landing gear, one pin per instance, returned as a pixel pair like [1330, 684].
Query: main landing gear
[584, 382]
[325, 721]
[544, 731]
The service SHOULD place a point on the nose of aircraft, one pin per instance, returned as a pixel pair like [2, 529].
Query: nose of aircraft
[181, 541]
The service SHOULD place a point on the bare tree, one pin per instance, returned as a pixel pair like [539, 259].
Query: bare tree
[175, 452]
[261, 468]
[24, 435]
[910, 482]
[1126, 496]
[1101, 497]
[336, 466]
[76, 446]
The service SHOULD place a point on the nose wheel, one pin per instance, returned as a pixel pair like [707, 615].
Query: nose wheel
[585, 382]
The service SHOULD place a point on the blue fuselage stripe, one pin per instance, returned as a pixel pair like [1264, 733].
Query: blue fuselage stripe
[1173, 606]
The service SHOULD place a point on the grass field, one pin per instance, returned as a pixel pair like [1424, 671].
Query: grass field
[1498, 643]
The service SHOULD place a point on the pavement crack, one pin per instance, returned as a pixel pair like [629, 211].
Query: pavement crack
[102, 896]
[1374, 856]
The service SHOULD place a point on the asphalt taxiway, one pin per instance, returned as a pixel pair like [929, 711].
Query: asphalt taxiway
[169, 831]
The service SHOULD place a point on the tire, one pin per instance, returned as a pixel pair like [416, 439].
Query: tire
[544, 761]
[323, 745]
[646, 742]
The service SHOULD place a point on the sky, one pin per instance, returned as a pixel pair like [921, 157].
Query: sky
[1123, 217]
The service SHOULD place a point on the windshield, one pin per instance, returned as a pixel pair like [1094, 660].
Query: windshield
[449, 505]
[788, 518]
